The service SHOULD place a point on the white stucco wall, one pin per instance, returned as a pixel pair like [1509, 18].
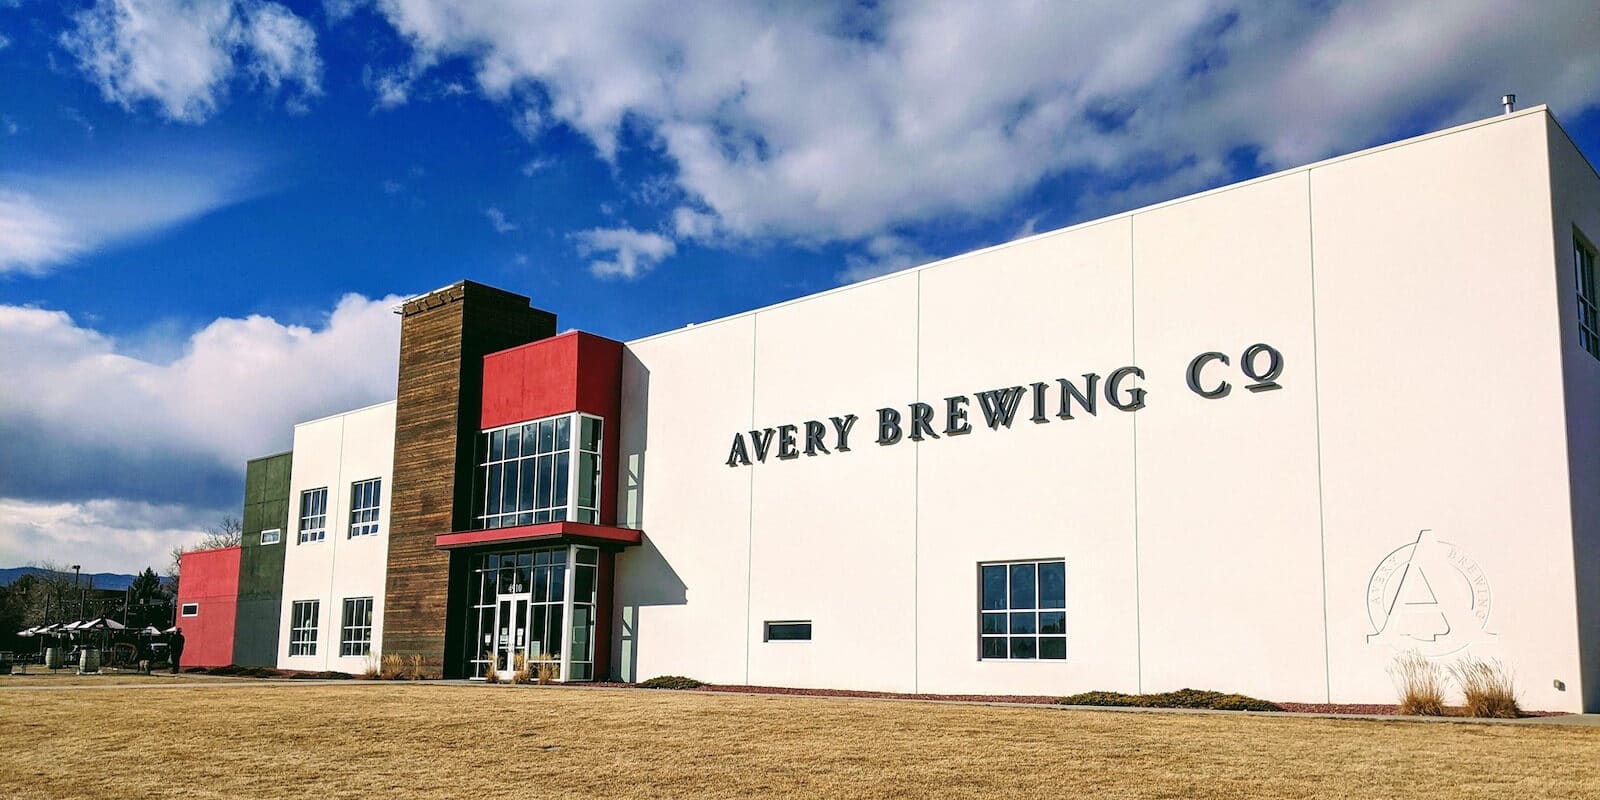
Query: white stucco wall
[1575, 204]
[335, 452]
[1227, 543]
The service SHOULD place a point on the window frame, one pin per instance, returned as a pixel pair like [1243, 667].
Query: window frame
[189, 610]
[316, 534]
[277, 537]
[767, 626]
[571, 509]
[365, 520]
[1036, 635]
[1584, 258]
[303, 628]
[355, 636]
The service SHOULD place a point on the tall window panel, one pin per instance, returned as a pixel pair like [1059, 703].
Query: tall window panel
[588, 475]
[313, 515]
[303, 627]
[1024, 610]
[1588, 298]
[364, 507]
[355, 634]
[542, 471]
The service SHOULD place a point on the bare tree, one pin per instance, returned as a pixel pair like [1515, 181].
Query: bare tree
[227, 532]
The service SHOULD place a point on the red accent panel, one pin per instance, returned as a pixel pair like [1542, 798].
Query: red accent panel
[210, 579]
[548, 531]
[575, 371]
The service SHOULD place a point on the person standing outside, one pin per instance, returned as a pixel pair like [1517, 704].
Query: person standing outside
[175, 648]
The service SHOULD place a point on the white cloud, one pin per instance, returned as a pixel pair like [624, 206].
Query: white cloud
[633, 252]
[102, 535]
[173, 442]
[5, 41]
[48, 221]
[181, 55]
[497, 219]
[225, 398]
[803, 122]
[884, 254]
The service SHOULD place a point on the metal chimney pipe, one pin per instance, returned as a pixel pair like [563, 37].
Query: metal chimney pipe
[1509, 101]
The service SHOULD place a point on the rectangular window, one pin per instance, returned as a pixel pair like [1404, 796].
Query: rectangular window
[534, 472]
[271, 536]
[1588, 298]
[364, 507]
[788, 632]
[313, 515]
[355, 638]
[191, 609]
[303, 628]
[1024, 610]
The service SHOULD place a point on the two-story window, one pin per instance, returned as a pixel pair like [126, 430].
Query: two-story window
[542, 471]
[1024, 610]
[364, 505]
[1583, 256]
[313, 515]
[303, 627]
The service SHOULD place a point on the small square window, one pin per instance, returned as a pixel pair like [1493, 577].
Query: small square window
[271, 536]
[1022, 610]
[190, 610]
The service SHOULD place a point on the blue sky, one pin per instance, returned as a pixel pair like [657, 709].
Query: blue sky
[207, 207]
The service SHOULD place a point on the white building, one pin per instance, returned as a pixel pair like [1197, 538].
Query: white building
[1261, 439]
[1434, 408]
[337, 544]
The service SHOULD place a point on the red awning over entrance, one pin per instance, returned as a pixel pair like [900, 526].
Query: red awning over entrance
[548, 532]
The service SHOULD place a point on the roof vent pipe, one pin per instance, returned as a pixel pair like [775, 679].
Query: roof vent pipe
[1509, 101]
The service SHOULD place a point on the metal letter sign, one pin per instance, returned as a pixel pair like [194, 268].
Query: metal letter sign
[1000, 408]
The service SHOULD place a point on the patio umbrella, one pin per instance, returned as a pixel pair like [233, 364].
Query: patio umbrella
[151, 630]
[173, 629]
[113, 625]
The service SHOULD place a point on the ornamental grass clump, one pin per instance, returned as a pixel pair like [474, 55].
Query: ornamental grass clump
[373, 669]
[393, 667]
[1420, 683]
[415, 667]
[548, 670]
[1489, 688]
[521, 671]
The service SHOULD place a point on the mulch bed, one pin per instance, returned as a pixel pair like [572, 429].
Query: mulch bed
[1298, 708]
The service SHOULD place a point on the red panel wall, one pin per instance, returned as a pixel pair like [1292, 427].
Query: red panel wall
[575, 371]
[209, 578]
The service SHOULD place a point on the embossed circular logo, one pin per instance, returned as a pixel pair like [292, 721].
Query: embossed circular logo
[1429, 596]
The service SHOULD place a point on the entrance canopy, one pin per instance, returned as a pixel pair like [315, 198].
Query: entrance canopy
[541, 535]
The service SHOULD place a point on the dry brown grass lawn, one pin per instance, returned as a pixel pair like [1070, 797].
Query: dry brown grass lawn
[243, 740]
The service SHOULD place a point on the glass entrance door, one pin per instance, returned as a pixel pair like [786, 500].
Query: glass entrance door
[511, 632]
[538, 603]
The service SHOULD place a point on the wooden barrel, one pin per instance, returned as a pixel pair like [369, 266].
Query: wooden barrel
[54, 658]
[88, 660]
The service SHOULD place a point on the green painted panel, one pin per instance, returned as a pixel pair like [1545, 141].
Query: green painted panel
[255, 640]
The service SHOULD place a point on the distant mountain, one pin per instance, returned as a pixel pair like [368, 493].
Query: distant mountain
[95, 580]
